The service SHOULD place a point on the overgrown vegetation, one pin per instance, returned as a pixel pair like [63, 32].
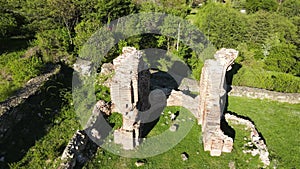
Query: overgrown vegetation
[15, 70]
[47, 151]
[267, 35]
[269, 80]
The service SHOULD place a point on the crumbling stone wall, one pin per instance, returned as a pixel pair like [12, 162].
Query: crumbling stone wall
[130, 88]
[30, 88]
[73, 150]
[179, 98]
[77, 148]
[261, 148]
[255, 93]
[213, 101]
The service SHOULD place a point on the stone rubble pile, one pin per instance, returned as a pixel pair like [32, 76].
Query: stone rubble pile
[256, 140]
[72, 152]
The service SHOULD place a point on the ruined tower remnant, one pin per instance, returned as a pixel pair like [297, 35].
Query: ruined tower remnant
[129, 94]
[213, 101]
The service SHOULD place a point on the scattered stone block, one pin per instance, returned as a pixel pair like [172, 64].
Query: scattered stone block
[231, 165]
[140, 163]
[174, 127]
[184, 156]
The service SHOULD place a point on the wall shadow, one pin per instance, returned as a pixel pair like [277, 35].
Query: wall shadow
[234, 70]
[229, 78]
[28, 122]
[227, 130]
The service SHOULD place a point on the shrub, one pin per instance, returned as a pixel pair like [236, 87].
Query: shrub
[53, 43]
[276, 81]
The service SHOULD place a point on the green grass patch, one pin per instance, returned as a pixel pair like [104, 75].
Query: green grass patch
[279, 125]
[191, 144]
[47, 151]
[15, 71]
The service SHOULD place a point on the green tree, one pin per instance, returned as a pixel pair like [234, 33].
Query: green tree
[281, 57]
[223, 26]
[53, 43]
[174, 7]
[84, 30]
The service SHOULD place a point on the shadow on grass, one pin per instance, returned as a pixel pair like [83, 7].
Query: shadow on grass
[22, 126]
[14, 44]
[227, 130]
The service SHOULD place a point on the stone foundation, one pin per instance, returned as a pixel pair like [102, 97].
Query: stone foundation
[255, 93]
[256, 140]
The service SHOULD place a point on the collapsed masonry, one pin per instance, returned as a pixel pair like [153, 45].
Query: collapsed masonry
[213, 101]
[257, 142]
[130, 88]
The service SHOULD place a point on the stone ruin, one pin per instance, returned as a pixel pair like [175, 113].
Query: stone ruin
[257, 143]
[130, 88]
[213, 95]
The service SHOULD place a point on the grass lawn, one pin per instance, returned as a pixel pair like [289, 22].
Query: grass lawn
[278, 123]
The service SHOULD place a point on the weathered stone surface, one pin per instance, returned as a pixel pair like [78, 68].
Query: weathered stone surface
[83, 67]
[241, 91]
[174, 127]
[231, 165]
[129, 94]
[184, 156]
[107, 68]
[178, 98]
[188, 84]
[139, 163]
[213, 101]
[73, 150]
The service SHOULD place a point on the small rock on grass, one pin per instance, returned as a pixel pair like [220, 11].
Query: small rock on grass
[184, 156]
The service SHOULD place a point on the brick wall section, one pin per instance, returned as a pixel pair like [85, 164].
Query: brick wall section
[213, 100]
[130, 88]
